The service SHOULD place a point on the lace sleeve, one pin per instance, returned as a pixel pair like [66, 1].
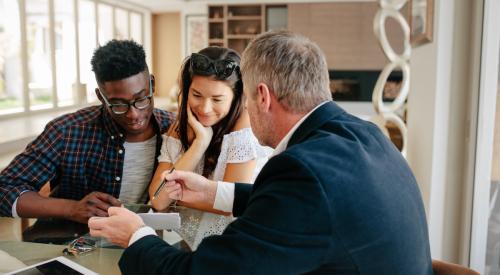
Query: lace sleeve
[242, 146]
[171, 149]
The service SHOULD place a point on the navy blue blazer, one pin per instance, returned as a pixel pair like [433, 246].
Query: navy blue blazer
[339, 200]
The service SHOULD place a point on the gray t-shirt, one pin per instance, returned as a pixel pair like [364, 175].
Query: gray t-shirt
[137, 170]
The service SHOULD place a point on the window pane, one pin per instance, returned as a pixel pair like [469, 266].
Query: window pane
[38, 44]
[11, 83]
[493, 244]
[65, 52]
[105, 23]
[121, 24]
[276, 18]
[87, 31]
[136, 27]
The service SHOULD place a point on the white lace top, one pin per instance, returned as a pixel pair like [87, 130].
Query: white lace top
[237, 147]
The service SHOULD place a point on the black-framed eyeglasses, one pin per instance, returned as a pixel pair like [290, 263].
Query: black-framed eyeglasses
[221, 68]
[122, 108]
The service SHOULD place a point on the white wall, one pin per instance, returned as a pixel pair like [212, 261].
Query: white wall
[438, 125]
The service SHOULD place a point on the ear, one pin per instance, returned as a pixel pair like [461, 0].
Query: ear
[263, 97]
[153, 82]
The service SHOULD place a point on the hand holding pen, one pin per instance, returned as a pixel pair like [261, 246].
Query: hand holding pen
[162, 184]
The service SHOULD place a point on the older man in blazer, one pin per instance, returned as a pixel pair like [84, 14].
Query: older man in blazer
[336, 197]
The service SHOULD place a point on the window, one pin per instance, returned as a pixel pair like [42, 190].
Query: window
[105, 23]
[65, 51]
[136, 27]
[493, 239]
[39, 54]
[121, 24]
[485, 225]
[11, 81]
[87, 25]
[45, 49]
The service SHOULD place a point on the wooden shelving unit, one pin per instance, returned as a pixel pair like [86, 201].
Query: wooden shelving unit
[216, 25]
[234, 26]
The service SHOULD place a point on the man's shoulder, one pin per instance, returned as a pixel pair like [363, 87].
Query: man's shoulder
[346, 129]
[345, 141]
[164, 118]
[83, 117]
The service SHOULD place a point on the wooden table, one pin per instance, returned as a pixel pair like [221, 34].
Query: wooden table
[33, 248]
[101, 260]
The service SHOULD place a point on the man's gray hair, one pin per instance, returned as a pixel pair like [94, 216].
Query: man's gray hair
[292, 66]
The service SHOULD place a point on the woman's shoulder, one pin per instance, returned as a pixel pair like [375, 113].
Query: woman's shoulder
[241, 128]
[171, 135]
[242, 145]
[242, 133]
[242, 122]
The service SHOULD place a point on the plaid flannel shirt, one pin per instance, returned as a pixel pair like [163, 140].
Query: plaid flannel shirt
[78, 153]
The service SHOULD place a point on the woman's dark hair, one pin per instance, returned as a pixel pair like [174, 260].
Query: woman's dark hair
[227, 123]
[118, 59]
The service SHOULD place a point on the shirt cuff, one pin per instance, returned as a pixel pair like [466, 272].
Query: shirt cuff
[141, 232]
[224, 197]
[14, 205]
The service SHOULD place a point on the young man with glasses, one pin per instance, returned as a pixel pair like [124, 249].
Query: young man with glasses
[97, 157]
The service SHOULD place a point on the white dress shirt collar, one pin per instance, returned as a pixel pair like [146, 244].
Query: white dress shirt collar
[284, 142]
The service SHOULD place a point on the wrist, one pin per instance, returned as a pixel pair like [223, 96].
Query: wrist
[210, 193]
[137, 228]
[69, 209]
[160, 203]
[201, 144]
[140, 233]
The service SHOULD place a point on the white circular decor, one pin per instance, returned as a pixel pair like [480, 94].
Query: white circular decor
[379, 29]
[392, 4]
[388, 112]
[378, 91]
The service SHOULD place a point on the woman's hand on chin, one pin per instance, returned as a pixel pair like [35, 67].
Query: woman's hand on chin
[203, 134]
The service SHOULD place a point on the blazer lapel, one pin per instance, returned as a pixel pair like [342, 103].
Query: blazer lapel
[317, 118]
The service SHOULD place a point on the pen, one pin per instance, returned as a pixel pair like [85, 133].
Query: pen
[162, 184]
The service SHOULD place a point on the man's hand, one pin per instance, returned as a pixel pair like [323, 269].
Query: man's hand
[94, 204]
[188, 187]
[118, 227]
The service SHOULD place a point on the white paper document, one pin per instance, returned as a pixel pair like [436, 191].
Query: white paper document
[161, 221]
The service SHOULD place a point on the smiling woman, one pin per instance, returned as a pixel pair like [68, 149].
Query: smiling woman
[211, 136]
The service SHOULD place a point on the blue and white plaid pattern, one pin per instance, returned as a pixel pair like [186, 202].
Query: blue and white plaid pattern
[78, 153]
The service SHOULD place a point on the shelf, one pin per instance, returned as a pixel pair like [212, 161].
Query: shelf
[241, 36]
[236, 18]
[235, 25]
[244, 10]
[215, 40]
[216, 30]
[216, 12]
